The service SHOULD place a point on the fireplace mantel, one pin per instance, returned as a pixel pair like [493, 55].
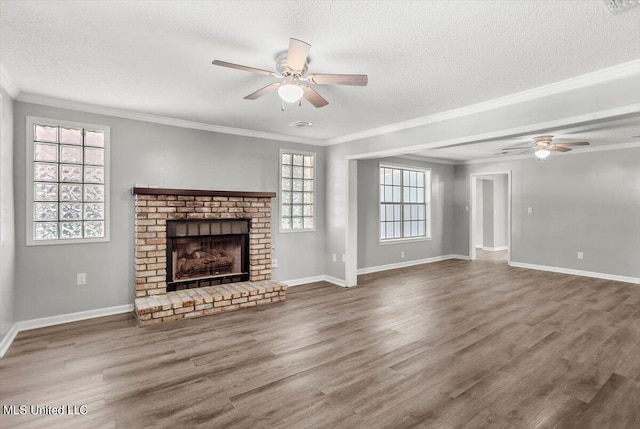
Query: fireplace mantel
[201, 193]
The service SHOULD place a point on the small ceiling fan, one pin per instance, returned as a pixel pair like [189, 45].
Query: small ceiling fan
[294, 82]
[544, 146]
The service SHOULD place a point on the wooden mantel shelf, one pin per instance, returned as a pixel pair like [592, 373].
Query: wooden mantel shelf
[201, 193]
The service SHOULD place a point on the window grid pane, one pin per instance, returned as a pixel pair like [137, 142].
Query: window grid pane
[65, 205]
[297, 186]
[403, 203]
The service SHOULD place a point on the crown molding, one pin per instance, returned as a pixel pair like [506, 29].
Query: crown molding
[157, 119]
[616, 112]
[605, 75]
[7, 83]
[601, 76]
[421, 158]
[530, 155]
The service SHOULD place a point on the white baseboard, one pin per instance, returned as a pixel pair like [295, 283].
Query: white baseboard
[43, 322]
[336, 281]
[605, 276]
[386, 267]
[495, 249]
[26, 325]
[303, 281]
[8, 339]
[306, 280]
[456, 256]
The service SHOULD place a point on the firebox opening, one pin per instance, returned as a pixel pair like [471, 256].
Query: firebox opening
[206, 253]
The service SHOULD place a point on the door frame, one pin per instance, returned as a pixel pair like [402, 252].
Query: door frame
[473, 209]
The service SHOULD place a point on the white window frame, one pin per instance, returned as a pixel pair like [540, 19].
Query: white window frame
[31, 121]
[315, 167]
[427, 198]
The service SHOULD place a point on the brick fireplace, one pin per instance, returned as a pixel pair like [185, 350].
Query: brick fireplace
[184, 211]
[155, 206]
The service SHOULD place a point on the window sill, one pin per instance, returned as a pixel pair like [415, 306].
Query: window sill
[403, 240]
[31, 242]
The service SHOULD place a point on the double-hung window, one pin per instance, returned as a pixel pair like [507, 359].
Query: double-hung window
[67, 182]
[405, 196]
[297, 184]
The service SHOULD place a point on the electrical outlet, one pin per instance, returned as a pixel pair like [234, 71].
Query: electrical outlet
[81, 279]
[580, 255]
[466, 208]
[274, 263]
[529, 210]
[402, 255]
[334, 257]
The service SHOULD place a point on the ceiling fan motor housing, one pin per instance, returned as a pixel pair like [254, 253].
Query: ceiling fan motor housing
[284, 70]
[543, 140]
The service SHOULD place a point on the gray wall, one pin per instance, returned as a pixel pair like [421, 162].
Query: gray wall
[7, 236]
[493, 233]
[578, 200]
[500, 210]
[478, 227]
[336, 213]
[487, 214]
[162, 155]
[523, 116]
[587, 202]
[370, 252]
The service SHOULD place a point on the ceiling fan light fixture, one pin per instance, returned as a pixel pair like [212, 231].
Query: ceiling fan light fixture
[290, 93]
[542, 153]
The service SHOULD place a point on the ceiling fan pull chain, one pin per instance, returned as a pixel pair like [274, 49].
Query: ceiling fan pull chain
[282, 105]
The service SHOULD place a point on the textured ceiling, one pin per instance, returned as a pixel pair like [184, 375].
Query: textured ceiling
[421, 57]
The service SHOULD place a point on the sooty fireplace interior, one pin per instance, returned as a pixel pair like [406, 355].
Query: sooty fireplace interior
[206, 252]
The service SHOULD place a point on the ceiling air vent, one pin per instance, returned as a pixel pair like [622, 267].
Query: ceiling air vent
[617, 6]
[300, 124]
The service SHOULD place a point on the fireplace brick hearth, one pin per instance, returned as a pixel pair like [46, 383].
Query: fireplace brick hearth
[198, 302]
[155, 206]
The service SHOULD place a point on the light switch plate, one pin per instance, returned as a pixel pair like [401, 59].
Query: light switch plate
[81, 279]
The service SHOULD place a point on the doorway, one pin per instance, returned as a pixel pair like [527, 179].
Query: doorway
[490, 220]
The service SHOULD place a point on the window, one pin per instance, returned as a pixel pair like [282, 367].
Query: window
[67, 182]
[405, 195]
[297, 175]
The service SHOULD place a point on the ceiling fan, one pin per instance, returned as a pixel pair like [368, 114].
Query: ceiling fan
[295, 83]
[544, 146]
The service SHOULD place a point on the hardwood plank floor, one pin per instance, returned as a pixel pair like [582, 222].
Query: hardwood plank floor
[443, 345]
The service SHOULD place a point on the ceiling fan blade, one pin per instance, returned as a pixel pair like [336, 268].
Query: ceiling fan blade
[339, 79]
[572, 144]
[558, 148]
[245, 68]
[297, 55]
[313, 97]
[263, 91]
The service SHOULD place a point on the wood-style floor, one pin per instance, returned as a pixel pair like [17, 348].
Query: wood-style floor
[443, 345]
